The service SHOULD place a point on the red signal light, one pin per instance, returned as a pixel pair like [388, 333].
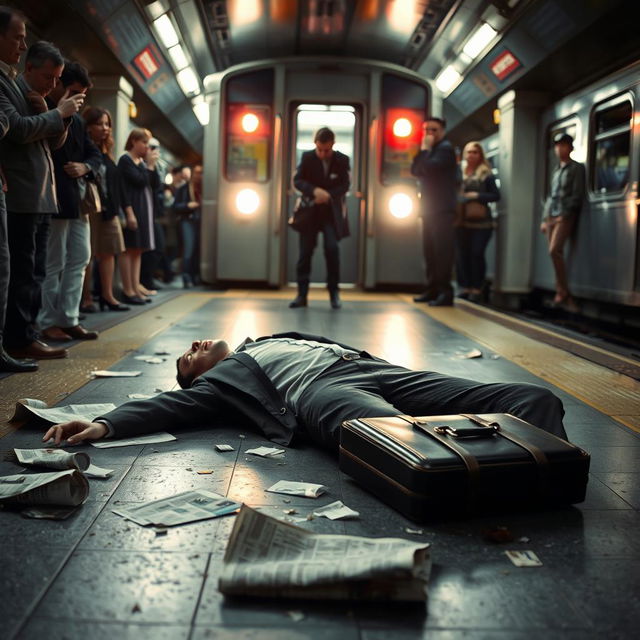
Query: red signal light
[403, 127]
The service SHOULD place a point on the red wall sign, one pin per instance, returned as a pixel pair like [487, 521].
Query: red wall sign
[146, 63]
[504, 65]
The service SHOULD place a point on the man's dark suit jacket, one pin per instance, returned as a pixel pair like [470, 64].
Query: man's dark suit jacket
[77, 148]
[310, 174]
[439, 176]
[235, 389]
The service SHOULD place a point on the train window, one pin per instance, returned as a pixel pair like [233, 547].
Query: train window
[249, 126]
[611, 149]
[404, 105]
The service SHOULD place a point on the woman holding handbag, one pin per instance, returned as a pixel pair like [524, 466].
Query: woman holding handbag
[475, 224]
[106, 231]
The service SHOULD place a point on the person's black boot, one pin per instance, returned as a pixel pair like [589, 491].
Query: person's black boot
[301, 299]
[334, 297]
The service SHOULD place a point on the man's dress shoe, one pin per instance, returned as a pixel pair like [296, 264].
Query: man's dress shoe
[80, 333]
[443, 300]
[424, 297]
[297, 302]
[11, 365]
[334, 297]
[55, 334]
[40, 351]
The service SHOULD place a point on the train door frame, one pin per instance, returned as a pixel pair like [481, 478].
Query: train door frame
[359, 173]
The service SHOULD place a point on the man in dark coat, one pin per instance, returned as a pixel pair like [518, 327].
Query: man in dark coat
[436, 168]
[322, 176]
[294, 385]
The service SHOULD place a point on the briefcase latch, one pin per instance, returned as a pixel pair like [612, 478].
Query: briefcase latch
[467, 432]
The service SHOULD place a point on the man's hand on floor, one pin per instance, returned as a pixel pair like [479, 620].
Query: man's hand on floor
[76, 431]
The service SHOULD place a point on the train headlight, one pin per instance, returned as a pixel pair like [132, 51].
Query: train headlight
[247, 201]
[402, 128]
[400, 205]
[250, 122]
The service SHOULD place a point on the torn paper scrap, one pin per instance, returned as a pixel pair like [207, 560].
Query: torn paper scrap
[150, 359]
[94, 471]
[189, 506]
[65, 488]
[265, 452]
[103, 373]
[224, 447]
[306, 489]
[474, 353]
[524, 558]
[336, 511]
[413, 532]
[53, 458]
[27, 408]
[140, 396]
[152, 438]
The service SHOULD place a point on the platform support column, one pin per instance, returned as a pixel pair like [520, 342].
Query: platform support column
[518, 209]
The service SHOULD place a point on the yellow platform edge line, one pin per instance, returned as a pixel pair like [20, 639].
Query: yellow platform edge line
[58, 378]
[611, 385]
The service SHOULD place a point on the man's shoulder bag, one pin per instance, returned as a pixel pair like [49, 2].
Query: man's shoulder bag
[303, 214]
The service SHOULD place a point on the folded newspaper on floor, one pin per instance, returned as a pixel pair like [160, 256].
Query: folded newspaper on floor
[189, 506]
[27, 408]
[64, 488]
[270, 558]
[60, 459]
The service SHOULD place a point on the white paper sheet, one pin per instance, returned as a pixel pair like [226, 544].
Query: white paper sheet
[152, 438]
[28, 407]
[265, 452]
[336, 511]
[306, 489]
[104, 373]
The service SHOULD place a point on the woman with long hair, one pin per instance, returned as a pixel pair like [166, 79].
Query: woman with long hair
[106, 232]
[474, 224]
[139, 178]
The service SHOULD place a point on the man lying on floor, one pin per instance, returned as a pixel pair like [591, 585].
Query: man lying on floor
[293, 384]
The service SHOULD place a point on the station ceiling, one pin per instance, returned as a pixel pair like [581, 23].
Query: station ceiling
[166, 68]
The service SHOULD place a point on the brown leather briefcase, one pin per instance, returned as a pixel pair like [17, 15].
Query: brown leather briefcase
[460, 463]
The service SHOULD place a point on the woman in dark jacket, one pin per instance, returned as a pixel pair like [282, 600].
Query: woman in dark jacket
[138, 179]
[106, 231]
[474, 224]
[186, 206]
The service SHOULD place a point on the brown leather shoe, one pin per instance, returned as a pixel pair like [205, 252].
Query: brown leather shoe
[39, 350]
[56, 334]
[80, 333]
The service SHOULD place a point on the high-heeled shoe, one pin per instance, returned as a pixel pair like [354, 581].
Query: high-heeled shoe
[111, 306]
[88, 308]
[133, 299]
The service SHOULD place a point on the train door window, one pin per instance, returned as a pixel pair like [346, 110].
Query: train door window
[569, 127]
[611, 146]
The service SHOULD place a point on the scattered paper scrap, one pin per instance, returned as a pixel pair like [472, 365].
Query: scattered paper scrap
[204, 472]
[27, 408]
[67, 488]
[140, 396]
[306, 489]
[224, 447]
[152, 438]
[150, 359]
[296, 616]
[524, 558]
[104, 373]
[336, 511]
[524, 539]
[413, 532]
[53, 458]
[189, 506]
[265, 452]
[94, 471]
[474, 353]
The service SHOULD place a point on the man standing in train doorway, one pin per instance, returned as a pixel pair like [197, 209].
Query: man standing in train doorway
[323, 177]
[561, 212]
[436, 168]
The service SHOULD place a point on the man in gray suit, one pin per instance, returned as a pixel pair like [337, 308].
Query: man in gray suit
[294, 385]
[31, 199]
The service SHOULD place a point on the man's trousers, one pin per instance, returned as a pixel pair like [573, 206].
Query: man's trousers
[369, 388]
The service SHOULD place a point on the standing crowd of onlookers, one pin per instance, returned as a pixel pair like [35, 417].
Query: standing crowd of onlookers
[70, 207]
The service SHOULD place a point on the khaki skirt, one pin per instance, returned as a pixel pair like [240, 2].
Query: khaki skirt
[106, 235]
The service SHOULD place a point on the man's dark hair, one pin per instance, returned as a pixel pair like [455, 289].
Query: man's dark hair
[6, 14]
[74, 72]
[441, 121]
[324, 135]
[184, 381]
[41, 51]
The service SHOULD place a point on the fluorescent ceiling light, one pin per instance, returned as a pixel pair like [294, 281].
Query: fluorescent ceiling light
[201, 109]
[479, 40]
[179, 59]
[447, 79]
[165, 29]
[188, 81]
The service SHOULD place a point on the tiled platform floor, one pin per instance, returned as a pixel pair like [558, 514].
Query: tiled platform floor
[96, 576]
